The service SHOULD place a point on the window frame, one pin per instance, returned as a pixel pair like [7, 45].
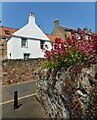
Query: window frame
[24, 43]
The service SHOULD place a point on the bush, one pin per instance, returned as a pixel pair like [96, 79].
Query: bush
[72, 50]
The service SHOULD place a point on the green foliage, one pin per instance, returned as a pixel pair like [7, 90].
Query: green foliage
[47, 64]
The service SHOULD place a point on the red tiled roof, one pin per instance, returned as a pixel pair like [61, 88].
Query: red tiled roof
[11, 30]
[51, 37]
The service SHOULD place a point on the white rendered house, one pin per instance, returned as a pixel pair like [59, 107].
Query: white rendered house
[27, 41]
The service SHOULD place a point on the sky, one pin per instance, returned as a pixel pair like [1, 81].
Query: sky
[70, 14]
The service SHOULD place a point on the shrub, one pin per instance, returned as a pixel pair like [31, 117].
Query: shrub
[72, 50]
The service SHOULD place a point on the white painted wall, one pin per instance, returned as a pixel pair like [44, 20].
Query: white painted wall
[32, 31]
[10, 48]
[17, 52]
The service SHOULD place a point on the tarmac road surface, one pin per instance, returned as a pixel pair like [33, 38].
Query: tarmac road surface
[29, 106]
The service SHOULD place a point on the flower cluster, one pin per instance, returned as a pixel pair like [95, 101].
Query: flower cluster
[57, 49]
[73, 49]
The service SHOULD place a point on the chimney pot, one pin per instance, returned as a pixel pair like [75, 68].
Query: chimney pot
[31, 14]
[31, 18]
[56, 22]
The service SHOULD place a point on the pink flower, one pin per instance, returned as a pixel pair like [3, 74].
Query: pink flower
[80, 31]
[72, 32]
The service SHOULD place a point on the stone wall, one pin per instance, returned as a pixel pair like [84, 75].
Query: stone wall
[3, 48]
[14, 71]
[66, 93]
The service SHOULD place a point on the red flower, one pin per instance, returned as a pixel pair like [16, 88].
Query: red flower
[69, 41]
[72, 32]
[80, 31]
[42, 47]
[58, 40]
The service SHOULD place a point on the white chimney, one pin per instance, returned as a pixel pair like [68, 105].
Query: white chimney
[31, 18]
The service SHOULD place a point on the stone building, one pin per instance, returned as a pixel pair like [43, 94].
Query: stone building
[64, 32]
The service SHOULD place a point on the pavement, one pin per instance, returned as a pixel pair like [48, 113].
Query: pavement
[29, 105]
[30, 108]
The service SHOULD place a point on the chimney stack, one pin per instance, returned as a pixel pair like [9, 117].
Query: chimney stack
[85, 29]
[31, 18]
[56, 23]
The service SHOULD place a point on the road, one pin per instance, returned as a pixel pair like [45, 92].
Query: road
[24, 88]
[30, 107]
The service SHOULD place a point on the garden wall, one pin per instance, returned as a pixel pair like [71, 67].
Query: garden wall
[14, 71]
[70, 93]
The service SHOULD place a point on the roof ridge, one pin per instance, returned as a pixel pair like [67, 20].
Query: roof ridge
[51, 34]
[9, 27]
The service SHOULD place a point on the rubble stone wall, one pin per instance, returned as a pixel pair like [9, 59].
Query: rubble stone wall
[14, 71]
[65, 93]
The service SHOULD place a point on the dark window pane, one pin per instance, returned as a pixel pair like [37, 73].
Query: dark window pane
[41, 44]
[26, 55]
[24, 42]
[7, 32]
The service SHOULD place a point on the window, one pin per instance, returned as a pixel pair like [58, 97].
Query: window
[26, 55]
[24, 42]
[41, 44]
[68, 34]
[7, 32]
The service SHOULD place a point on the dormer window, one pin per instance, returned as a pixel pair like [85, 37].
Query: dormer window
[7, 32]
[24, 42]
